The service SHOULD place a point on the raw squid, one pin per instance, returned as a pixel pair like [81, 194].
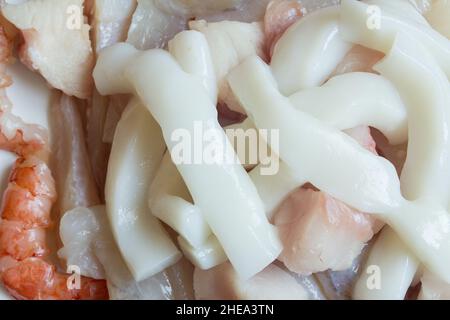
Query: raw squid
[395, 262]
[433, 288]
[253, 82]
[142, 240]
[309, 218]
[123, 252]
[89, 243]
[230, 42]
[135, 73]
[437, 15]
[309, 51]
[280, 15]
[110, 20]
[171, 202]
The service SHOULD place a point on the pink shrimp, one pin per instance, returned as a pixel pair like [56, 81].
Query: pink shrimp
[35, 279]
[25, 214]
[280, 15]
[319, 232]
[26, 210]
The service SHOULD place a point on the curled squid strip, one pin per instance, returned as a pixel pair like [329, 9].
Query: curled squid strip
[238, 220]
[146, 247]
[425, 174]
[170, 201]
[309, 51]
[377, 188]
[353, 27]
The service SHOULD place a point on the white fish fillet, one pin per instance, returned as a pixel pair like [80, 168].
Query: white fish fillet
[56, 43]
[89, 244]
[111, 20]
[72, 170]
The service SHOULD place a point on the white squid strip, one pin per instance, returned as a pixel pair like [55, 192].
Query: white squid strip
[438, 17]
[374, 101]
[356, 19]
[223, 191]
[136, 154]
[170, 201]
[108, 72]
[309, 51]
[206, 256]
[426, 172]
[423, 6]
[230, 42]
[249, 149]
[432, 288]
[371, 191]
[191, 50]
[426, 92]
[273, 189]
[338, 165]
[389, 270]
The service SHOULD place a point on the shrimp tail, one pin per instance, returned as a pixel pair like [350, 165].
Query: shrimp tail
[35, 279]
[25, 213]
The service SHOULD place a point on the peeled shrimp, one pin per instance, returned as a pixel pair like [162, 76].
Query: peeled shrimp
[38, 280]
[25, 212]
